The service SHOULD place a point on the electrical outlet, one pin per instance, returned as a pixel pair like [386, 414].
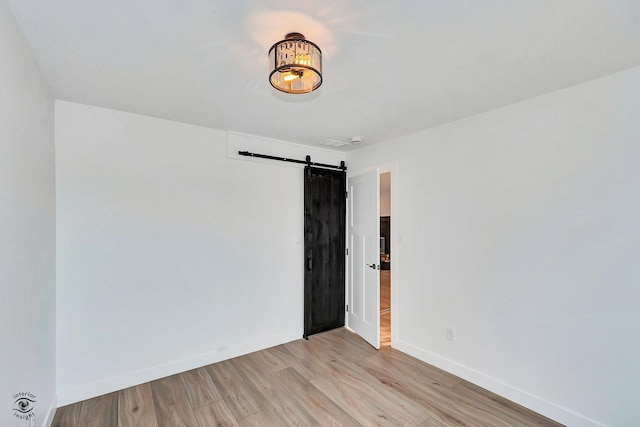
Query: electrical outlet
[451, 333]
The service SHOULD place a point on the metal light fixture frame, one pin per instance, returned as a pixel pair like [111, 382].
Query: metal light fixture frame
[286, 60]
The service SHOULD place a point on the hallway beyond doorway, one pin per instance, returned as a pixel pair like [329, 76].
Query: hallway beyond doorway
[385, 308]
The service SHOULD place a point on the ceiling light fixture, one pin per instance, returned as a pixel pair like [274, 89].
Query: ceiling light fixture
[296, 65]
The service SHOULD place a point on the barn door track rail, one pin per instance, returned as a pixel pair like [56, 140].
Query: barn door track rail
[307, 161]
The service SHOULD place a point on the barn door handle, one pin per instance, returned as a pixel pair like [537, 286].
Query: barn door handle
[309, 264]
[371, 266]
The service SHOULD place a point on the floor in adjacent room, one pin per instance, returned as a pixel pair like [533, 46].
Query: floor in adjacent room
[385, 308]
[334, 378]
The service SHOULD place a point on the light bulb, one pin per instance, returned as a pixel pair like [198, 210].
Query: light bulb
[292, 75]
[303, 60]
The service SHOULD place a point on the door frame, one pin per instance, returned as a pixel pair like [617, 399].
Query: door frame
[396, 243]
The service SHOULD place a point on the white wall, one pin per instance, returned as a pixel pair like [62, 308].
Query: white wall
[520, 228]
[27, 229]
[170, 255]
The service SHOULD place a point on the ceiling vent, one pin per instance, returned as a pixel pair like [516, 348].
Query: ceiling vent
[334, 143]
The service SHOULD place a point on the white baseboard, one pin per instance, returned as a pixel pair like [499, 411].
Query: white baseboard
[521, 397]
[66, 397]
[51, 413]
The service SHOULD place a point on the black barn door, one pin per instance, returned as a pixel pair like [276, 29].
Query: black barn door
[324, 246]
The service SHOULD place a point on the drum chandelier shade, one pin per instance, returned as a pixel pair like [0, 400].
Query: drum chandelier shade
[296, 65]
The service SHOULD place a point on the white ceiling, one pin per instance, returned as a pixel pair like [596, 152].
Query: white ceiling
[390, 68]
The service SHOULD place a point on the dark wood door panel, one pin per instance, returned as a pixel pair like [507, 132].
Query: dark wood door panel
[324, 222]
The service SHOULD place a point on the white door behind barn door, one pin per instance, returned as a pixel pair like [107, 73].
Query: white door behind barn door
[363, 234]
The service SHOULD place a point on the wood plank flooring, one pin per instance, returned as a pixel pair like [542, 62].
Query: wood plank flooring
[385, 290]
[385, 308]
[333, 379]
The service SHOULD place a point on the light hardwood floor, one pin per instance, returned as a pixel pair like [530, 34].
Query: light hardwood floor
[334, 378]
[385, 308]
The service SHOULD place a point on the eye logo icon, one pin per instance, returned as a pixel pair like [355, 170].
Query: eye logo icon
[24, 405]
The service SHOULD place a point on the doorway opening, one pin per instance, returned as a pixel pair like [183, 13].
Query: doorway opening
[385, 259]
[369, 251]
